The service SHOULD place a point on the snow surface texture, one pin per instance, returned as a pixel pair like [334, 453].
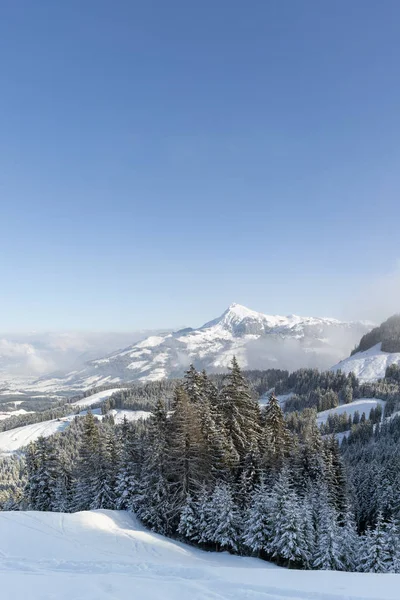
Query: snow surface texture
[95, 398]
[17, 438]
[108, 555]
[363, 405]
[257, 340]
[369, 365]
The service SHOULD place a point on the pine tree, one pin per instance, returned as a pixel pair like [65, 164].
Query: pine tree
[185, 467]
[257, 528]
[287, 544]
[188, 524]
[153, 500]
[223, 525]
[276, 438]
[241, 413]
[202, 510]
[374, 556]
[349, 542]
[327, 550]
[392, 546]
[86, 474]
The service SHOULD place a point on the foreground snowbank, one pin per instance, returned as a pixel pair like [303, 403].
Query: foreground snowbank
[108, 555]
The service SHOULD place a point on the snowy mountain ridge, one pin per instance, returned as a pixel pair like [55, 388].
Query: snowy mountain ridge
[256, 339]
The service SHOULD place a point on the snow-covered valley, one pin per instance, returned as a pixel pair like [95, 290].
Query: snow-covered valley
[109, 555]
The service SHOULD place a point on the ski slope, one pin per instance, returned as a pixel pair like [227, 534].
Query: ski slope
[95, 398]
[14, 439]
[108, 555]
[363, 405]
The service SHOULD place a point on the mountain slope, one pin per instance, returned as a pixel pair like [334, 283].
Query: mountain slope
[104, 555]
[258, 341]
[370, 365]
[377, 350]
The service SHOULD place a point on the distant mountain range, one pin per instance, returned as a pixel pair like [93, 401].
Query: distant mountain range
[258, 341]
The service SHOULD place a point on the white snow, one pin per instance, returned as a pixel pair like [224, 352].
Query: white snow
[17, 438]
[108, 555]
[131, 415]
[13, 413]
[369, 365]
[363, 405]
[95, 398]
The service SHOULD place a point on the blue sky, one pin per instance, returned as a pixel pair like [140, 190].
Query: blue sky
[160, 160]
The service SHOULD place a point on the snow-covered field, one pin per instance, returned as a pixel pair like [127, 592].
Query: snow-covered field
[95, 398]
[131, 415]
[369, 365]
[17, 438]
[108, 555]
[363, 405]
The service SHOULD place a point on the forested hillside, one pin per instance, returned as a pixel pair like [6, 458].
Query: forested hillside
[388, 333]
[212, 468]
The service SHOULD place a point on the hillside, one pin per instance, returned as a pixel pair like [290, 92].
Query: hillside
[257, 340]
[387, 334]
[105, 555]
[377, 350]
[370, 365]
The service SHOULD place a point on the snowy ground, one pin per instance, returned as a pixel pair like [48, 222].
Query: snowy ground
[369, 365]
[131, 415]
[363, 405]
[108, 555]
[17, 438]
[95, 398]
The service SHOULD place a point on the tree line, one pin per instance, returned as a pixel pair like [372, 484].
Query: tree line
[215, 470]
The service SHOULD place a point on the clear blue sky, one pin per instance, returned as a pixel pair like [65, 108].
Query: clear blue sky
[160, 160]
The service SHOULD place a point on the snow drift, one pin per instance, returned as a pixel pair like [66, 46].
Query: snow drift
[108, 555]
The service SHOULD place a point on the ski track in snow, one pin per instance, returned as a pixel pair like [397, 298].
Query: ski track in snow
[109, 555]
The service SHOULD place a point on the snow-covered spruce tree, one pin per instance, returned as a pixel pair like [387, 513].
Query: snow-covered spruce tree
[287, 545]
[276, 436]
[392, 545]
[31, 488]
[223, 519]
[335, 476]
[202, 510]
[257, 531]
[185, 467]
[153, 500]
[87, 469]
[46, 475]
[327, 555]
[127, 483]
[241, 413]
[349, 542]
[188, 521]
[250, 476]
[104, 482]
[193, 385]
[307, 520]
[374, 555]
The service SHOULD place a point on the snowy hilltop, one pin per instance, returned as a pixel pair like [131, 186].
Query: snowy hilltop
[257, 340]
[377, 350]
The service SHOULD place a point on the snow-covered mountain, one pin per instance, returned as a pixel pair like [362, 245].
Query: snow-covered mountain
[257, 340]
[377, 350]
